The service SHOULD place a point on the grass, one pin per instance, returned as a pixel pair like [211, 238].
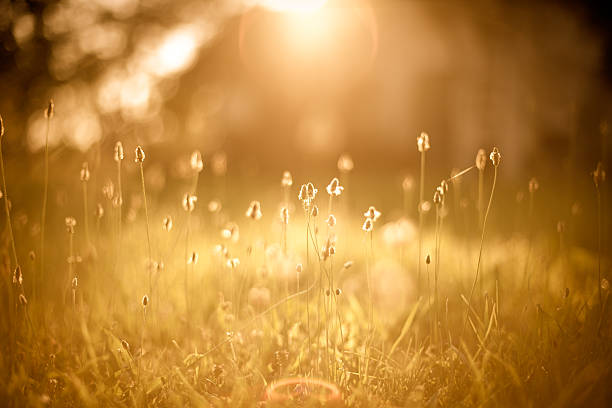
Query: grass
[377, 338]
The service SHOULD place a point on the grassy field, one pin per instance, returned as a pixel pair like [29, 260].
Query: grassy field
[136, 282]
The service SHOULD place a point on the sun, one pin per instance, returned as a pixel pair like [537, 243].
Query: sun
[294, 6]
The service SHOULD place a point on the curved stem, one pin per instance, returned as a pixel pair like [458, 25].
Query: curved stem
[486, 216]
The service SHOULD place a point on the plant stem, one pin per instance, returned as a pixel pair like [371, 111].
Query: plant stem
[420, 211]
[43, 221]
[144, 194]
[484, 224]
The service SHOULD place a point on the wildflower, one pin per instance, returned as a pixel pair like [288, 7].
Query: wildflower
[140, 155]
[196, 162]
[233, 263]
[85, 172]
[481, 159]
[331, 220]
[167, 223]
[189, 202]
[118, 152]
[367, 225]
[231, 232]
[287, 180]
[334, 188]
[311, 191]
[495, 157]
[99, 211]
[302, 196]
[284, 215]
[18, 276]
[345, 163]
[599, 175]
[437, 198]
[372, 213]
[254, 210]
[70, 224]
[423, 142]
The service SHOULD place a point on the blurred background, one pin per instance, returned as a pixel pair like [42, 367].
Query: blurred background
[270, 85]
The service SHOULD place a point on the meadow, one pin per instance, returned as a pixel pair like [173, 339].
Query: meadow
[133, 279]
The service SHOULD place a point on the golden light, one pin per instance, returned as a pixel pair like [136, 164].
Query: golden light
[294, 6]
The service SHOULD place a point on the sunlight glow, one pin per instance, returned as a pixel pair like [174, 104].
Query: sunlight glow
[294, 6]
[175, 53]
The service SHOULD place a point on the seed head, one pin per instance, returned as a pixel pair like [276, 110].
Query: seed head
[140, 155]
[298, 268]
[189, 202]
[119, 152]
[315, 211]
[345, 163]
[437, 198]
[196, 162]
[287, 180]
[599, 175]
[605, 285]
[481, 159]
[495, 157]
[372, 213]
[1, 127]
[145, 301]
[22, 300]
[32, 255]
[125, 345]
[331, 220]
[18, 276]
[311, 191]
[167, 223]
[108, 190]
[75, 283]
[254, 210]
[368, 224]
[428, 259]
[70, 224]
[444, 186]
[334, 188]
[423, 142]
[561, 227]
[49, 112]
[303, 196]
[533, 185]
[85, 172]
[233, 263]
[348, 264]
[284, 215]
[338, 291]
[231, 232]
[99, 211]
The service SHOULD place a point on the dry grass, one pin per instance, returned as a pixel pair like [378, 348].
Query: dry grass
[349, 326]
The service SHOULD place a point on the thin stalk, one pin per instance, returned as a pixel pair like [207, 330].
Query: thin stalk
[85, 214]
[420, 211]
[144, 194]
[43, 221]
[484, 224]
[599, 249]
[7, 209]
